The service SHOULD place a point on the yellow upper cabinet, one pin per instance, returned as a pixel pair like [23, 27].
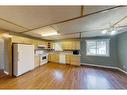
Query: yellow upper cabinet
[64, 45]
[77, 45]
[71, 45]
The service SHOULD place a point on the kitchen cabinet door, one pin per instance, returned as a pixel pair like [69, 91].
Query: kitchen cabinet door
[68, 59]
[37, 61]
[54, 57]
[77, 45]
[65, 45]
[73, 45]
[69, 45]
[75, 60]
[49, 57]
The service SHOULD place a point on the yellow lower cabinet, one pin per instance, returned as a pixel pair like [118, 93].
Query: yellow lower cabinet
[36, 61]
[68, 59]
[75, 60]
[49, 57]
[54, 57]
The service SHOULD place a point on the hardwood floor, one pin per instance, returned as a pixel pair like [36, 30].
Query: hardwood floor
[58, 76]
[2, 74]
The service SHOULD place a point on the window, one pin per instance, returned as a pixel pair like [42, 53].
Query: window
[97, 47]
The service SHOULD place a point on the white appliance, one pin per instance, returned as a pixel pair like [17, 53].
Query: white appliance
[39, 52]
[23, 58]
[43, 58]
[42, 46]
[62, 58]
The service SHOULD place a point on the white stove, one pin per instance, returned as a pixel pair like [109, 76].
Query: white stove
[43, 58]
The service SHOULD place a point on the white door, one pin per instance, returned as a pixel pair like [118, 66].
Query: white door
[25, 58]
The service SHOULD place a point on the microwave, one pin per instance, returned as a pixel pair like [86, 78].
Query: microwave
[76, 52]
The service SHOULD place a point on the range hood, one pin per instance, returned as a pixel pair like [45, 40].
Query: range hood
[42, 46]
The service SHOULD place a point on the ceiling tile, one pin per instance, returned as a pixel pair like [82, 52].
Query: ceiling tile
[36, 16]
[7, 26]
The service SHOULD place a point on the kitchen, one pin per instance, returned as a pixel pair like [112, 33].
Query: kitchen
[63, 52]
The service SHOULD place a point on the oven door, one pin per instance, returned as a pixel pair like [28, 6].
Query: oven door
[43, 59]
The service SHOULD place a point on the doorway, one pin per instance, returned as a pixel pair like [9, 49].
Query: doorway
[2, 65]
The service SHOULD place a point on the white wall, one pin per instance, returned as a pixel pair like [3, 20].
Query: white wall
[1, 54]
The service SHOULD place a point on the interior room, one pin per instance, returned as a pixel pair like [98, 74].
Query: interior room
[63, 47]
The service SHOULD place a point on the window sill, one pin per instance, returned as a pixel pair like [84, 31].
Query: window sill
[98, 55]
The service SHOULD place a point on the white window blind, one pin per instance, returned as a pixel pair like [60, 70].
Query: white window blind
[97, 47]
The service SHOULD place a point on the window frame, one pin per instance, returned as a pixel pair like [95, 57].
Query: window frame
[101, 55]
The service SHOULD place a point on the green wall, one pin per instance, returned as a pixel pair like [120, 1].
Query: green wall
[122, 50]
[118, 52]
[100, 60]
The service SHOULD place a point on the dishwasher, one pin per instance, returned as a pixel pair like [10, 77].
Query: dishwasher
[62, 59]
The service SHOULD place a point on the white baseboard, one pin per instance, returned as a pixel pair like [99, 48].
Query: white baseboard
[105, 67]
[122, 70]
[6, 72]
[99, 65]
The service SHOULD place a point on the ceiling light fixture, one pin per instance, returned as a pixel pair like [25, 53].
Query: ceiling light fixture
[113, 32]
[50, 34]
[104, 32]
[7, 35]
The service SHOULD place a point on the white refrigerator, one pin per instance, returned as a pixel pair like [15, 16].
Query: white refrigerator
[23, 58]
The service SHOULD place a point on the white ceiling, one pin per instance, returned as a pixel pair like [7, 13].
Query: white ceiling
[36, 16]
[9, 26]
[30, 17]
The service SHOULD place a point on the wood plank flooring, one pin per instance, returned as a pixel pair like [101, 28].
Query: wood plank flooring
[58, 76]
[2, 74]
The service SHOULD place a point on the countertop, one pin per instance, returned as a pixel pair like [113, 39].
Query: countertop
[63, 52]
